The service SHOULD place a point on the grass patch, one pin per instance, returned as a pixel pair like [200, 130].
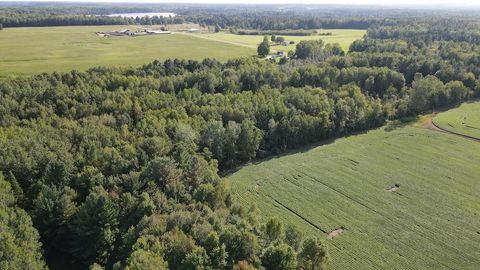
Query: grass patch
[431, 222]
[48, 49]
[344, 37]
[462, 120]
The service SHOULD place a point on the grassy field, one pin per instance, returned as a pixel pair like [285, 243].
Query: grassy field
[45, 49]
[464, 120]
[431, 222]
[344, 37]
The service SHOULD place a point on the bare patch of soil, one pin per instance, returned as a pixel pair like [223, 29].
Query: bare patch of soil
[429, 125]
[393, 188]
[335, 233]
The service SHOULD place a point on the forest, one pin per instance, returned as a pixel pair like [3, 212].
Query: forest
[234, 17]
[118, 168]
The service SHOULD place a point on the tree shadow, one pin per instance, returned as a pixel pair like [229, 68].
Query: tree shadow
[292, 151]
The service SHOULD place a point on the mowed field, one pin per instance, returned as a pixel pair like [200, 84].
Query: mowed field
[48, 49]
[463, 120]
[431, 221]
[344, 37]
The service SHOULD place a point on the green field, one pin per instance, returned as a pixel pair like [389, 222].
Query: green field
[344, 37]
[47, 49]
[464, 120]
[431, 222]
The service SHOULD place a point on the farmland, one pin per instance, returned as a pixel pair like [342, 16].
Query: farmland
[344, 37]
[77, 47]
[464, 120]
[429, 220]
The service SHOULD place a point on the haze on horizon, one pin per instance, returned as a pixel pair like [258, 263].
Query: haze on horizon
[433, 3]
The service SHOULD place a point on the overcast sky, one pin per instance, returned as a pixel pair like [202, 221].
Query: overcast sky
[355, 2]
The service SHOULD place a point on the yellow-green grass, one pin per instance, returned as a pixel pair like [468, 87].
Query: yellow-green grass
[431, 222]
[463, 120]
[344, 37]
[46, 49]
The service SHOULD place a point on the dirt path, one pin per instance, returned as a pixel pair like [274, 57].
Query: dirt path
[217, 40]
[431, 125]
[223, 41]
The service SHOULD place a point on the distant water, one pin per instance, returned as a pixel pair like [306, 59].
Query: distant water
[145, 14]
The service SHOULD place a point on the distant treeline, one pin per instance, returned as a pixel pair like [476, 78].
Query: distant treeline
[251, 18]
[39, 18]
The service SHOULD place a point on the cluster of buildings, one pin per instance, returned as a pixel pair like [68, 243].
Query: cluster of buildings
[279, 54]
[142, 32]
[128, 32]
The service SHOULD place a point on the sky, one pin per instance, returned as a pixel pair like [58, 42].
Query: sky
[337, 2]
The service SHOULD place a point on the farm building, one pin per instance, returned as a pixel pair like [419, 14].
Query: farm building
[158, 32]
[125, 32]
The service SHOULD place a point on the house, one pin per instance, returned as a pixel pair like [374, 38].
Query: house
[192, 30]
[127, 32]
[158, 32]
[285, 43]
[279, 54]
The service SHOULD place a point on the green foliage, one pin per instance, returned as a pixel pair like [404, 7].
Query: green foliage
[313, 255]
[293, 237]
[95, 228]
[19, 242]
[280, 257]
[240, 245]
[273, 229]
[264, 47]
[309, 49]
[53, 209]
[427, 92]
[147, 254]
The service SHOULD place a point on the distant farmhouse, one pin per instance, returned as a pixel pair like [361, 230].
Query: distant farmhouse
[128, 32]
[279, 54]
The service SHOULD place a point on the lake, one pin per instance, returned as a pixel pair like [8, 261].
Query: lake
[144, 14]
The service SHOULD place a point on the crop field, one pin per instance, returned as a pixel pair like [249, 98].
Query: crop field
[48, 49]
[398, 197]
[344, 37]
[463, 120]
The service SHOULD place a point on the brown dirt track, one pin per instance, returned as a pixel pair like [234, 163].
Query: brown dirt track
[429, 124]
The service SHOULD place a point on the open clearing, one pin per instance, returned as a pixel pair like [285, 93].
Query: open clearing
[431, 222]
[34, 50]
[48, 49]
[344, 37]
[462, 120]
